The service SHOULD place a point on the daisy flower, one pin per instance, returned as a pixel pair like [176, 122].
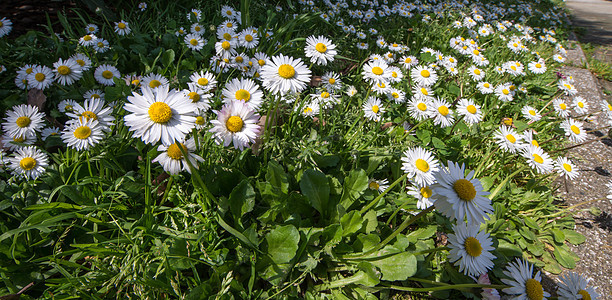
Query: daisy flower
[67, 71]
[485, 88]
[529, 139]
[420, 165]
[376, 71]
[396, 74]
[470, 249]
[236, 123]
[122, 28]
[396, 95]
[194, 42]
[311, 109]
[559, 58]
[538, 159]
[93, 93]
[228, 34]
[574, 131]
[142, 6]
[29, 162]
[531, 113]
[537, 67]
[424, 75]
[470, 111]
[154, 81]
[567, 87]
[88, 40]
[23, 119]
[561, 108]
[101, 45]
[82, 134]
[245, 90]
[10, 141]
[573, 285]
[320, 50]
[422, 92]
[285, 74]
[48, 132]
[566, 168]
[104, 74]
[93, 109]
[476, 73]
[441, 113]
[172, 159]
[378, 185]
[504, 93]
[524, 284]
[408, 61]
[82, 60]
[204, 80]
[423, 194]
[373, 109]
[5, 26]
[461, 197]
[228, 12]
[331, 81]
[419, 109]
[381, 88]
[580, 105]
[66, 105]
[248, 39]
[508, 139]
[163, 115]
[91, 28]
[198, 96]
[40, 78]
[226, 49]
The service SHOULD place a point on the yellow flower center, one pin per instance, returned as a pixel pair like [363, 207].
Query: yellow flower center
[40, 77]
[535, 143]
[194, 96]
[193, 42]
[29, 70]
[331, 81]
[225, 45]
[374, 185]
[422, 106]
[229, 25]
[321, 47]
[563, 106]
[394, 74]
[424, 92]
[513, 68]
[538, 65]
[408, 60]
[307, 110]
[567, 167]
[160, 112]
[585, 295]
[239, 59]
[580, 104]
[476, 52]
[248, 38]
[135, 82]
[63, 70]
[107, 74]
[476, 71]
[508, 121]
[532, 112]
[443, 110]
[472, 247]
[505, 91]
[121, 25]
[234, 123]
[68, 107]
[486, 84]
[575, 129]
[375, 108]
[422, 165]
[511, 138]
[325, 95]
[243, 95]
[395, 95]
[197, 28]
[202, 81]
[154, 83]
[425, 73]
[538, 158]
[200, 120]
[89, 115]
[27, 163]
[382, 85]
[261, 62]
[19, 139]
[471, 109]
[426, 192]
[100, 45]
[464, 189]
[610, 107]
[174, 151]
[82, 132]
[534, 289]
[227, 36]
[23, 121]
[377, 71]
[286, 71]
[87, 38]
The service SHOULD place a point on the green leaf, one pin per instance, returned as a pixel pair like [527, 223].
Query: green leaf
[353, 187]
[351, 223]
[372, 222]
[526, 233]
[531, 223]
[367, 275]
[438, 143]
[277, 176]
[396, 267]
[283, 243]
[424, 136]
[422, 233]
[573, 237]
[242, 199]
[564, 258]
[558, 235]
[315, 187]
[168, 57]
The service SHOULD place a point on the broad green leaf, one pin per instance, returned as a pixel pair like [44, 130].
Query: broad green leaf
[371, 221]
[438, 143]
[558, 235]
[574, 237]
[168, 57]
[353, 187]
[526, 233]
[242, 199]
[315, 187]
[283, 243]
[367, 275]
[396, 267]
[277, 176]
[422, 233]
[351, 223]
[564, 258]
[531, 223]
